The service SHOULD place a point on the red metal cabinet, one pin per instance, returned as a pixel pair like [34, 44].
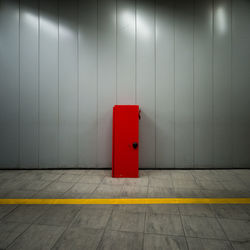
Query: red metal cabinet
[125, 141]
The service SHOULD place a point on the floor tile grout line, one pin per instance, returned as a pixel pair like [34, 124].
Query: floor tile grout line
[19, 236]
[144, 227]
[105, 229]
[218, 221]
[66, 228]
[182, 225]
[30, 224]
[183, 236]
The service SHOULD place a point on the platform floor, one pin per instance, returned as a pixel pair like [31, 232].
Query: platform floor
[154, 226]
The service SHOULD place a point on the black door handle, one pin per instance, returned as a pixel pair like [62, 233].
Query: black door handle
[135, 145]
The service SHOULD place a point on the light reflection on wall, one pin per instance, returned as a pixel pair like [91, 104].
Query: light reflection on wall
[220, 20]
[128, 19]
[142, 27]
[48, 25]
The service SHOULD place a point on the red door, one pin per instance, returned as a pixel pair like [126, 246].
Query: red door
[125, 141]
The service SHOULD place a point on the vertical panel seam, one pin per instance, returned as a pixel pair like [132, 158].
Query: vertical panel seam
[174, 16]
[231, 90]
[97, 79]
[58, 82]
[213, 118]
[19, 87]
[116, 51]
[77, 51]
[38, 98]
[135, 51]
[155, 73]
[194, 13]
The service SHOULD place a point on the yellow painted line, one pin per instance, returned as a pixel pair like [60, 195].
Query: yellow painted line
[130, 201]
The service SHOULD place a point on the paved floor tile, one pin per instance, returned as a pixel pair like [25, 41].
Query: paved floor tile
[197, 210]
[211, 185]
[36, 185]
[122, 226]
[157, 181]
[84, 188]
[224, 175]
[26, 213]
[230, 211]
[48, 195]
[141, 181]
[234, 185]
[13, 185]
[96, 218]
[79, 238]
[96, 179]
[60, 215]
[20, 194]
[185, 184]
[49, 176]
[113, 181]
[188, 193]
[37, 237]
[163, 224]
[208, 244]
[132, 208]
[187, 175]
[98, 172]
[163, 209]
[134, 191]
[69, 178]
[157, 242]
[161, 192]
[74, 195]
[121, 240]
[107, 191]
[241, 245]
[6, 209]
[202, 227]
[9, 232]
[236, 230]
[58, 187]
[125, 221]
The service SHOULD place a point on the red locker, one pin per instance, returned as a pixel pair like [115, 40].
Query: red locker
[125, 141]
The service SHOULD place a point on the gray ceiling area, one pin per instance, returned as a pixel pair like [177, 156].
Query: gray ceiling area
[65, 64]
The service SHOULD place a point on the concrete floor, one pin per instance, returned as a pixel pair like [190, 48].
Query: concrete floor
[197, 226]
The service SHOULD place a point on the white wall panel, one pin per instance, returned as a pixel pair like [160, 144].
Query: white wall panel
[29, 123]
[164, 84]
[184, 84]
[106, 78]
[222, 84]
[68, 84]
[87, 70]
[65, 64]
[9, 84]
[126, 52]
[48, 84]
[203, 84]
[240, 82]
[145, 80]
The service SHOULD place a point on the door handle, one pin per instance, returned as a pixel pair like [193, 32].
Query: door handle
[135, 145]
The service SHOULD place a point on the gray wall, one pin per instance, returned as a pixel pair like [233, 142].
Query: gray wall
[64, 64]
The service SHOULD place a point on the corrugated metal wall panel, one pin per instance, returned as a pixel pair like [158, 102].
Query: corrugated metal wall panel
[65, 64]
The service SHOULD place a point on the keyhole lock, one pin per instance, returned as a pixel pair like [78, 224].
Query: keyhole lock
[135, 145]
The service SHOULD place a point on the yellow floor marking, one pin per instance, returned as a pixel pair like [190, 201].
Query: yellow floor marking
[130, 201]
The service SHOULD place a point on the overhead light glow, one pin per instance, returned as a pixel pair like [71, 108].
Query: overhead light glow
[47, 24]
[129, 22]
[221, 22]
[142, 27]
